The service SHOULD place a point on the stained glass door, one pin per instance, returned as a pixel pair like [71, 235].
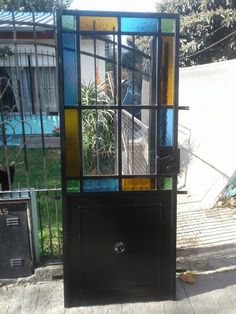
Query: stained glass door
[118, 83]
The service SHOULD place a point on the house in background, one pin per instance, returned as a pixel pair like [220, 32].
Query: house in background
[30, 39]
[29, 75]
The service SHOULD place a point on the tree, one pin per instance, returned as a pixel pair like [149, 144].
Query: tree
[207, 29]
[36, 5]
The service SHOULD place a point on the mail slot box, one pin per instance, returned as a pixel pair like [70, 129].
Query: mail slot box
[16, 258]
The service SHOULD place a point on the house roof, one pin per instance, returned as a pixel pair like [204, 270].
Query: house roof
[24, 20]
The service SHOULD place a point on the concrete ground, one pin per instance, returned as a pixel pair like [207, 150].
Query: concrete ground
[206, 241]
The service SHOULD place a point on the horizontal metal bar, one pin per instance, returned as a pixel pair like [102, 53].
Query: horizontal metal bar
[183, 107]
[29, 191]
[24, 42]
[23, 23]
[119, 14]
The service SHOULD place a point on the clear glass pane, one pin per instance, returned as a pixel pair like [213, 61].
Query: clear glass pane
[99, 70]
[99, 141]
[98, 23]
[136, 70]
[70, 69]
[142, 25]
[138, 128]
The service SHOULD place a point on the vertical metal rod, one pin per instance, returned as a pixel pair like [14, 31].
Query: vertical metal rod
[49, 224]
[80, 111]
[115, 100]
[4, 140]
[57, 220]
[39, 101]
[31, 80]
[119, 106]
[158, 99]
[96, 100]
[19, 89]
[114, 68]
[132, 145]
[133, 99]
[175, 146]
[40, 220]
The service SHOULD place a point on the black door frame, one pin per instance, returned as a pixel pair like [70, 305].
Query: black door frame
[167, 160]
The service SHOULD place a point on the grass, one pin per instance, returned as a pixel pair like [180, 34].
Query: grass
[37, 173]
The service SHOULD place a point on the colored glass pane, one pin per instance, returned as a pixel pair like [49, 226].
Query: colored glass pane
[98, 23]
[166, 127]
[136, 184]
[69, 69]
[68, 22]
[73, 186]
[71, 143]
[140, 25]
[101, 185]
[167, 72]
[167, 25]
[166, 184]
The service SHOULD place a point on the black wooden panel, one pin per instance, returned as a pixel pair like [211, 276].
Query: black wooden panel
[15, 257]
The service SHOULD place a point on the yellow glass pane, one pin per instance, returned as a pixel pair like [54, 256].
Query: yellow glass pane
[98, 23]
[72, 143]
[138, 184]
[167, 71]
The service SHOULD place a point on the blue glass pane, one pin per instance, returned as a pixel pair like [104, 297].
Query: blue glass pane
[166, 127]
[101, 185]
[69, 67]
[134, 24]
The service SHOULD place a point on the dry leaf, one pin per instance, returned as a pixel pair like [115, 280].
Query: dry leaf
[187, 277]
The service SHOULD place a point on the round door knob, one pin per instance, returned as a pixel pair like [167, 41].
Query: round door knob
[120, 247]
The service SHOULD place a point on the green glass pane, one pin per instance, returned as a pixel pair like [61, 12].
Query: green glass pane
[167, 25]
[73, 186]
[166, 183]
[68, 22]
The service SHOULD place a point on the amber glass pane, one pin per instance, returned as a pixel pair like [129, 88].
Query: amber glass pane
[138, 184]
[98, 23]
[167, 72]
[71, 143]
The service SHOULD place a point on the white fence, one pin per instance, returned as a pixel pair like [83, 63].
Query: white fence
[207, 132]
